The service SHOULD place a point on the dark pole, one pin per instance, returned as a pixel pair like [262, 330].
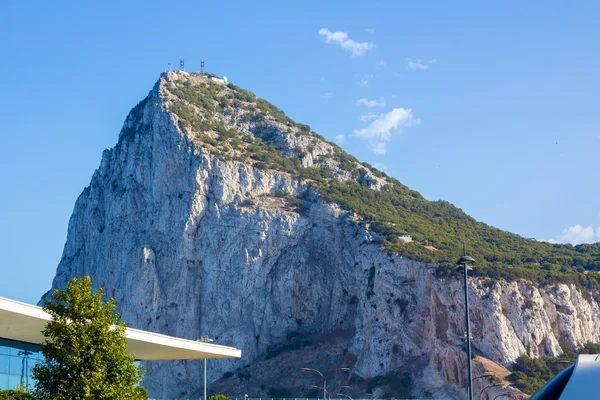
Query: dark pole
[464, 263]
[487, 387]
[468, 335]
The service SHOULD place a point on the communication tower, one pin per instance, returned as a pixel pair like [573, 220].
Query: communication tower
[201, 66]
[181, 65]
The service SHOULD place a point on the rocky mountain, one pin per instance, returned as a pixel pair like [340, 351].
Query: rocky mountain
[217, 215]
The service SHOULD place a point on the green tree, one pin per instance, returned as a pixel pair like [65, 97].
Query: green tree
[218, 397]
[85, 350]
[14, 395]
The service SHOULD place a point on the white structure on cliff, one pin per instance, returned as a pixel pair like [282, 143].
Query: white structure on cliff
[219, 80]
[405, 238]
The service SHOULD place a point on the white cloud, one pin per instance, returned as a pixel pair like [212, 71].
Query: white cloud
[370, 30]
[380, 64]
[340, 139]
[341, 38]
[416, 64]
[419, 64]
[325, 96]
[371, 103]
[381, 166]
[379, 132]
[379, 147]
[577, 234]
[366, 117]
[364, 83]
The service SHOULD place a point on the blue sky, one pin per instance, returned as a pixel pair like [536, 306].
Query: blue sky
[493, 107]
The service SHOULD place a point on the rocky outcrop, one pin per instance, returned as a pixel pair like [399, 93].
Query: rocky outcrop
[192, 245]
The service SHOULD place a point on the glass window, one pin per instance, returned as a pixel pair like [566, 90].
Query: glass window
[16, 366]
[15, 347]
[4, 360]
[4, 349]
[3, 381]
[14, 381]
[17, 360]
[31, 384]
[32, 363]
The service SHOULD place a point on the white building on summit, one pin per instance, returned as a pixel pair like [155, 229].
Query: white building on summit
[219, 80]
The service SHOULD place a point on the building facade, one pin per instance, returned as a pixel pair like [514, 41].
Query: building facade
[21, 328]
[17, 360]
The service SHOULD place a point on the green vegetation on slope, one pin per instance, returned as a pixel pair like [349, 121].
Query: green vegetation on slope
[397, 210]
[530, 374]
[438, 228]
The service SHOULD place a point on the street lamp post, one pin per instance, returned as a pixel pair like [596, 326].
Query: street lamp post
[324, 381]
[465, 263]
[205, 340]
[319, 387]
[487, 387]
[344, 388]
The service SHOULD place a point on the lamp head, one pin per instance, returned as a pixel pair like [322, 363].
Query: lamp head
[465, 260]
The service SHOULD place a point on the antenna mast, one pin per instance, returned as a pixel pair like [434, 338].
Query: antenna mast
[181, 65]
[201, 66]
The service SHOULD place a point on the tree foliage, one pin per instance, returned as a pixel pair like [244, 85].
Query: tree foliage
[14, 395]
[218, 397]
[397, 210]
[85, 351]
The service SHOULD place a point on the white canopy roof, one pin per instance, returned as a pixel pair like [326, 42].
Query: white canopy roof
[25, 322]
[585, 380]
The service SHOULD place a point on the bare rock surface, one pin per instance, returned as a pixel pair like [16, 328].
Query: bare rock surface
[191, 245]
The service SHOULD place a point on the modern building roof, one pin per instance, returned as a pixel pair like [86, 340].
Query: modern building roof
[25, 322]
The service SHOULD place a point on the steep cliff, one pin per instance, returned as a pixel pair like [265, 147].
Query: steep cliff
[208, 218]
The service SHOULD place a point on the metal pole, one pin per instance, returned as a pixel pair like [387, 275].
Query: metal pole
[324, 387]
[205, 379]
[487, 387]
[470, 397]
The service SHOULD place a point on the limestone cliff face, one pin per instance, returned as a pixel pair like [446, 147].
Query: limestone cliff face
[190, 244]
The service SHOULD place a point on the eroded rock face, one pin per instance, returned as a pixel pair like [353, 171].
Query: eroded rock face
[190, 245]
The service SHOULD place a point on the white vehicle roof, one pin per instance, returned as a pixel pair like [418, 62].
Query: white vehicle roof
[577, 382]
[585, 380]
